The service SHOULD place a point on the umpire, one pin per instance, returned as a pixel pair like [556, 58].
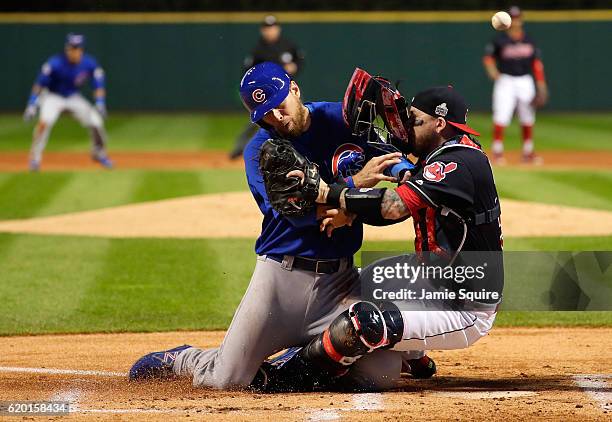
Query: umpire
[272, 47]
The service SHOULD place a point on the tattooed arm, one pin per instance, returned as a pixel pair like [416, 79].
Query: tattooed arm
[392, 206]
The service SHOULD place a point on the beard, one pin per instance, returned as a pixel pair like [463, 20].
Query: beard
[296, 125]
[425, 144]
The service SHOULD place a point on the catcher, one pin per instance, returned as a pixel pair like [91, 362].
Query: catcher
[453, 201]
[303, 277]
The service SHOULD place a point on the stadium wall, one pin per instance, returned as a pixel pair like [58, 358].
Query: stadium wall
[182, 61]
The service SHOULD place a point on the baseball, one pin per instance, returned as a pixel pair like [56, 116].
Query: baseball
[501, 21]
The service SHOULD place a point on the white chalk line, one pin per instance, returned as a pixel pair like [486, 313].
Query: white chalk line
[61, 371]
[596, 387]
[363, 402]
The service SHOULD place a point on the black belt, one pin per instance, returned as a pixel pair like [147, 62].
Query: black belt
[320, 266]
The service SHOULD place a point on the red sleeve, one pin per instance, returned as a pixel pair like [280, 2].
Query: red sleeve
[538, 70]
[412, 201]
[488, 60]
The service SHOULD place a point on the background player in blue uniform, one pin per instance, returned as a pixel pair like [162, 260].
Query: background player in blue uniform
[57, 89]
[303, 278]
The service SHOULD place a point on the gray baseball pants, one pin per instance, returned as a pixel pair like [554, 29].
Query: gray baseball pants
[284, 307]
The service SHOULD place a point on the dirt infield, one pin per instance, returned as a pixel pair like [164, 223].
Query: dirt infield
[552, 373]
[56, 161]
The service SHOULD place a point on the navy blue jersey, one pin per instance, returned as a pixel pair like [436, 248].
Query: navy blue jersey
[329, 143]
[513, 57]
[64, 78]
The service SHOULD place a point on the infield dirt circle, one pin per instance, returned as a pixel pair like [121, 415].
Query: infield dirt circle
[552, 373]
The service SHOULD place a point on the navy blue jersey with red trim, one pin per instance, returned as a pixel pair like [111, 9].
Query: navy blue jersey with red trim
[454, 183]
[513, 57]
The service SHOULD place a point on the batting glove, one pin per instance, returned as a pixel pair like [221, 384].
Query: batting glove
[101, 107]
[30, 112]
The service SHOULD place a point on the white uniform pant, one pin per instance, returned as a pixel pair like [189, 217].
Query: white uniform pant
[512, 93]
[443, 330]
[51, 106]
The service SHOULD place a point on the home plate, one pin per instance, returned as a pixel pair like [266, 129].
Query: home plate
[484, 394]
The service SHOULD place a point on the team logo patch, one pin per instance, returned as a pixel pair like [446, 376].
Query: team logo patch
[442, 110]
[348, 160]
[258, 95]
[437, 171]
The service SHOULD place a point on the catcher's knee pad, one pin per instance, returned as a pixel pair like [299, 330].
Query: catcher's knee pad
[357, 331]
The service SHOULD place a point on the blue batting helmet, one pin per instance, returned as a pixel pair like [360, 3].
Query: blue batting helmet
[263, 87]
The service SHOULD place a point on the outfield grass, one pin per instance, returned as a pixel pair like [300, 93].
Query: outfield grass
[27, 195]
[55, 284]
[195, 131]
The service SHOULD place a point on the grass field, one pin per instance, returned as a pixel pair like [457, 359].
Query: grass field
[56, 284]
[150, 132]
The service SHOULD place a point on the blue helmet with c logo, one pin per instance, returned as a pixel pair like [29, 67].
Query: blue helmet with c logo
[263, 87]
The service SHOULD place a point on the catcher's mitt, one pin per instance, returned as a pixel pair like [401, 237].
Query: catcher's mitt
[289, 196]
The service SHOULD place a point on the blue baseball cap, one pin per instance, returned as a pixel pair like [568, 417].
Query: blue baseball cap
[75, 40]
[263, 87]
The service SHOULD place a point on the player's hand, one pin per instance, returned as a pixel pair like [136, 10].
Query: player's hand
[30, 112]
[372, 172]
[335, 218]
[541, 97]
[101, 107]
[323, 188]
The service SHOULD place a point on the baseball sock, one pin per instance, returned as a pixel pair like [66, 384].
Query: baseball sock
[527, 139]
[498, 140]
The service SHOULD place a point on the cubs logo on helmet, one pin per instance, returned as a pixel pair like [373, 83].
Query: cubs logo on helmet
[437, 171]
[258, 95]
[348, 160]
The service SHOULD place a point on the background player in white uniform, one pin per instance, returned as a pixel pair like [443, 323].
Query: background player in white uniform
[57, 89]
[513, 61]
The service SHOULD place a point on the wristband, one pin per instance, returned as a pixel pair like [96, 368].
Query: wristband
[350, 183]
[33, 99]
[333, 196]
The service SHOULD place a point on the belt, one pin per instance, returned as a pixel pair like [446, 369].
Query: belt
[319, 266]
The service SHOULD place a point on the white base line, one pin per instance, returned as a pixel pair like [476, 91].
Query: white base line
[597, 388]
[61, 371]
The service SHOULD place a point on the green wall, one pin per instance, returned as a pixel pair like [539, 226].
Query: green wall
[198, 65]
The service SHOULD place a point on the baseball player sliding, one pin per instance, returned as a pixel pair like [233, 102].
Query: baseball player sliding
[510, 61]
[452, 199]
[303, 278]
[57, 90]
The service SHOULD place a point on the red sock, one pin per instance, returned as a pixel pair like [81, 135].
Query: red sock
[498, 133]
[498, 140]
[527, 133]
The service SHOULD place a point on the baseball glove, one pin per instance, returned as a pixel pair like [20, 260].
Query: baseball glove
[289, 196]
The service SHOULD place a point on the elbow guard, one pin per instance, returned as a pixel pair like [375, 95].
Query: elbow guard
[365, 202]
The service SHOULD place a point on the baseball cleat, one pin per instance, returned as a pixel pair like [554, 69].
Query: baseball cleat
[104, 161]
[157, 365]
[498, 159]
[422, 368]
[531, 159]
[34, 166]
[283, 358]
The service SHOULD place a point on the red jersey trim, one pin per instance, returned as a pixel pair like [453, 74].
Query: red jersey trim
[538, 70]
[411, 199]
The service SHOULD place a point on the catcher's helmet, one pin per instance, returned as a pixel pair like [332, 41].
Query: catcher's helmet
[263, 87]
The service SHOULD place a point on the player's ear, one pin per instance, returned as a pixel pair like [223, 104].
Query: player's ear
[440, 124]
[295, 89]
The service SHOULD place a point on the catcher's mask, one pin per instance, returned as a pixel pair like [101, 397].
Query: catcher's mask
[373, 107]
